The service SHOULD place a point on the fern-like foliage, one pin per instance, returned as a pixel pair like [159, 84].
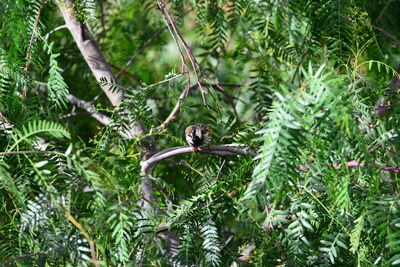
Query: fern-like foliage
[384, 217]
[57, 88]
[217, 20]
[120, 222]
[38, 127]
[211, 244]
[285, 130]
[331, 246]
[86, 10]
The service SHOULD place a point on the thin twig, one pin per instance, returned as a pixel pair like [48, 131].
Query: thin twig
[66, 68]
[103, 7]
[298, 66]
[354, 163]
[144, 88]
[175, 33]
[267, 214]
[195, 65]
[23, 256]
[132, 58]
[218, 87]
[84, 233]
[229, 97]
[54, 30]
[389, 169]
[100, 117]
[6, 124]
[182, 98]
[103, 119]
[140, 50]
[71, 114]
[372, 150]
[184, 66]
[301, 60]
[28, 54]
[169, 26]
[29, 152]
[176, 109]
[220, 169]
[388, 35]
[184, 163]
[164, 81]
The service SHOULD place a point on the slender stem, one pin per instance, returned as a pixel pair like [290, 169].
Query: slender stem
[6, 123]
[182, 97]
[23, 256]
[30, 152]
[169, 26]
[383, 10]
[174, 32]
[164, 81]
[103, 119]
[324, 207]
[54, 30]
[85, 234]
[140, 50]
[388, 35]
[28, 54]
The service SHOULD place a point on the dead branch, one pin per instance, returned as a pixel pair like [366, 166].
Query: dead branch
[176, 34]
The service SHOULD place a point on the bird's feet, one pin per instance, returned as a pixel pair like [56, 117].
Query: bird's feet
[195, 149]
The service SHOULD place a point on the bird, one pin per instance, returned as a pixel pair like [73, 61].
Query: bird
[198, 135]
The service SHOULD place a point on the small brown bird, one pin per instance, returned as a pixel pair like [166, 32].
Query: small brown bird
[198, 135]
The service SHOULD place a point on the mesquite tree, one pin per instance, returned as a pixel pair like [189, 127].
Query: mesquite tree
[302, 98]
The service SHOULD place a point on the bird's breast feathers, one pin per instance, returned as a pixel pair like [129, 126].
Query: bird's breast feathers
[198, 135]
[195, 138]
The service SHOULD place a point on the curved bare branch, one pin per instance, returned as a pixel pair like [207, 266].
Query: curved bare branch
[221, 150]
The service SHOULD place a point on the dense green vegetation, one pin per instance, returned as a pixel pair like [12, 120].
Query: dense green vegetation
[93, 171]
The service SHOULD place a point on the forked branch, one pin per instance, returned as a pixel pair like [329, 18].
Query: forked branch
[176, 34]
